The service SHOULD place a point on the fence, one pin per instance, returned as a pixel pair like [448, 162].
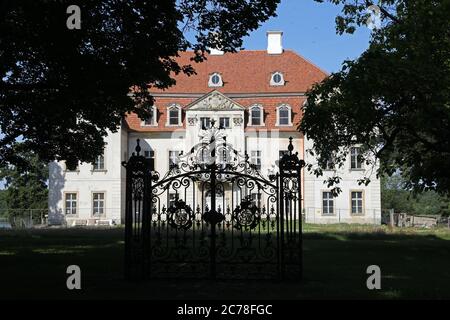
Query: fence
[401, 219]
[24, 218]
[315, 215]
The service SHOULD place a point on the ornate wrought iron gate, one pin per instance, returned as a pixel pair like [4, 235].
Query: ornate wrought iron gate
[213, 215]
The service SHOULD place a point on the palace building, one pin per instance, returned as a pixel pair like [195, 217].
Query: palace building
[255, 97]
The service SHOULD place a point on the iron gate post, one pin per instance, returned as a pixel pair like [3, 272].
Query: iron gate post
[213, 222]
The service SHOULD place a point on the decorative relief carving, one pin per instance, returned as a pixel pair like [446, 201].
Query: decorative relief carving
[215, 101]
[238, 121]
[192, 121]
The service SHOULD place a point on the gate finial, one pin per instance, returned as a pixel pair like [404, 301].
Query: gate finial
[290, 147]
[138, 147]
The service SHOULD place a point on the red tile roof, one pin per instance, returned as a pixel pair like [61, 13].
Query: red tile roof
[247, 71]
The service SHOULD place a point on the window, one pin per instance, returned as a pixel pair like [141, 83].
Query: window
[329, 164]
[256, 199]
[355, 158]
[149, 154]
[256, 159]
[284, 115]
[174, 115]
[151, 120]
[277, 79]
[327, 203]
[223, 155]
[215, 80]
[173, 158]
[99, 163]
[205, 157]
[172, 199]
[357, 202]
[256, 116]
[70, 203]
[98, 203]
[205, 123]
[224, 123]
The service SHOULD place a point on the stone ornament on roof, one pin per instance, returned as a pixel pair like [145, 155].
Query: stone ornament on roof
[215, 101]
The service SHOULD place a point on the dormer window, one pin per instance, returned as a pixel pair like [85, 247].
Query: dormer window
[215, 80]
[277, 79]
[256, 117]
[151, 120]
[284, 115]
[173, 115]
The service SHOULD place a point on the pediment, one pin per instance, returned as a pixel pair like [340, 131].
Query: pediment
[214, 101]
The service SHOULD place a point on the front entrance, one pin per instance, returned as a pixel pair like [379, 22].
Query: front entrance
[213, 219]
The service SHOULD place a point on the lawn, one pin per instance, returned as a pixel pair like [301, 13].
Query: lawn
[415, 263]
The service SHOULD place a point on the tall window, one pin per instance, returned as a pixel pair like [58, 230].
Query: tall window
[284, 115]
[256, 116]
[355, 158]
[98, 203]
[173, 158]
[151, 119]
[223, 155]
[327, 203]
[172, 199]
[256, 159]
[256, 199]
[205, 123]
[329, 164]
[149, 154]
[174, 115]
[357, 202]
[224, 122]
[71, 203]
[99, 163]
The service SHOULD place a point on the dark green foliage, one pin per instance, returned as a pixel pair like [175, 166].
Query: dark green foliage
[394, 100]
[61, 89]
[394, 196]
[26, 186]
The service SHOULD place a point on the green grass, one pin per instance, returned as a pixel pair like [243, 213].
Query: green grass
[415, 263]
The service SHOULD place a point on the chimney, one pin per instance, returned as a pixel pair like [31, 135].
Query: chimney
[215, 52]
[274, 42]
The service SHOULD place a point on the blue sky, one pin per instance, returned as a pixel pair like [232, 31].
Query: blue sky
[309, 29]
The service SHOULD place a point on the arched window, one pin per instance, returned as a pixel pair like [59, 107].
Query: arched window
[215, 80]
[152, 119]
[284, 115]
[174, 115]
[256, 116]
[277, 79]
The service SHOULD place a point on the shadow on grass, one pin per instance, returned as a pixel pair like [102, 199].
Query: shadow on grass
[414, 264]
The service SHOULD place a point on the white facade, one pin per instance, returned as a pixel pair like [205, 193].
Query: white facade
[87, 185]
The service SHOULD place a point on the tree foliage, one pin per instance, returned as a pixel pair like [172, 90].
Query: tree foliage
[394, 100]
[26, 186]
[395, 196]
[62, 89]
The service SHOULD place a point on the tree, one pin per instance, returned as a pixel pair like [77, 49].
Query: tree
[61, 89]
[394, 100]
[395, 196]
[26, 187]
